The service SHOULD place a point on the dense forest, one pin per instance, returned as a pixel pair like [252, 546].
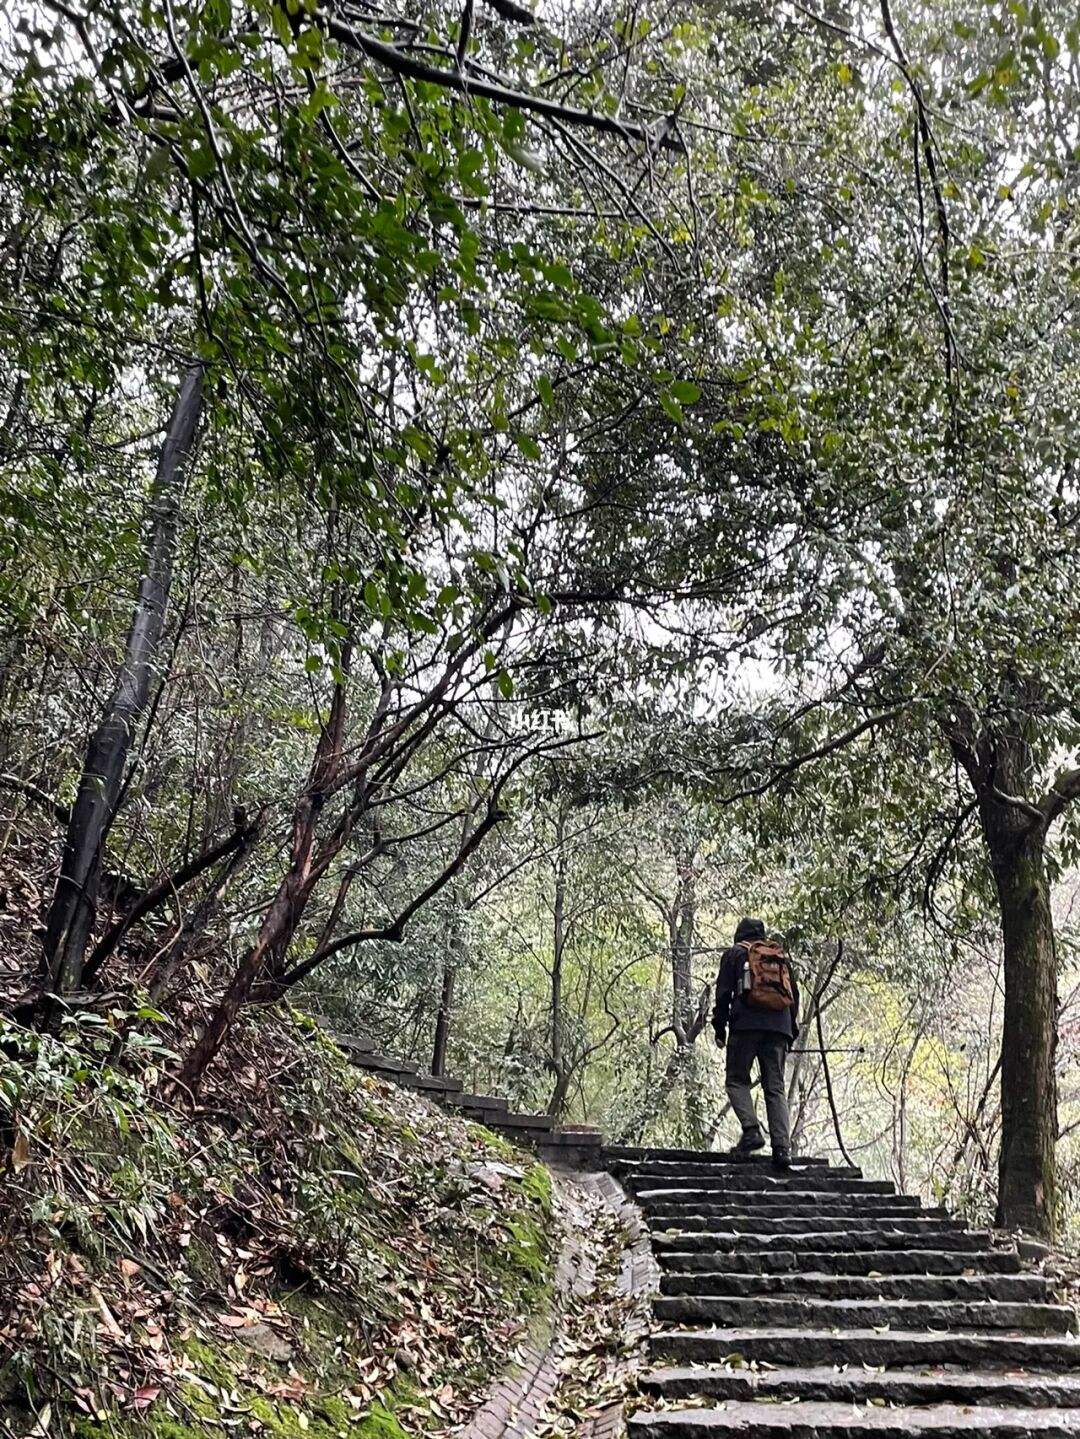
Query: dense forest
[487, 498]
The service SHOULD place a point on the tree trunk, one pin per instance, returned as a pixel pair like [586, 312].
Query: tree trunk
[697, 1118]
[681, 930]
[444, 1017]
[560, 1065]
[1001, 766]
[455, 955]
[560, 1093]
[688, 1016]
[74, 903]
[1027, 1181]
[290, 900]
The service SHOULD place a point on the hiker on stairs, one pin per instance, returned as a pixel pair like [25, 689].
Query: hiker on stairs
[758, 999]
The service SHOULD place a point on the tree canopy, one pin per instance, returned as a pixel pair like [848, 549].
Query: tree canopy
[490, 496]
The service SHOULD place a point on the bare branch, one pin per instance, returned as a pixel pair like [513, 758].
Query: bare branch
[243, 835]
[1061, 794]
[30, 791]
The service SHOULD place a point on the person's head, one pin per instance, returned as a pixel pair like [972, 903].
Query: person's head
[749, 929]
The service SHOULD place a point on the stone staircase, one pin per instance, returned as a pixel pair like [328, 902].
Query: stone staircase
[565, 1144]
[819, 1303]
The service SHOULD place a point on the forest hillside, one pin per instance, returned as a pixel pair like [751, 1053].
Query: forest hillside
[492, 495]
[319, 1252]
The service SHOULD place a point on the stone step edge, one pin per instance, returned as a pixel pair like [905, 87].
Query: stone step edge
[665, 1222]
[383, 1063]
[465, 1100]
[800, 1334]
[669, 1239]
[825, 1418]
[781, 1262]
[761, 1201]
[762, 1180]
[617, 1153]
[709, 1380]
[773, 1285]
[765, 1180]
[759, 1312]
[492, 1111]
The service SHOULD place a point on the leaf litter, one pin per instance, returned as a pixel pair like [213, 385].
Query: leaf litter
[309, 1234]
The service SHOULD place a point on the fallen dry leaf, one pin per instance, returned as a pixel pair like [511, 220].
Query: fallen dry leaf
[20, 1152]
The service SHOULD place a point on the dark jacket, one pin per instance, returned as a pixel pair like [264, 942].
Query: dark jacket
[730, 1012]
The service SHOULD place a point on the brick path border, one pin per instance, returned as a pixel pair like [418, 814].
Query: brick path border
[517, 1401]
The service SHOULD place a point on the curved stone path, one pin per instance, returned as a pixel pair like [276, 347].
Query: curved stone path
[811, 1305]
[821, 1305]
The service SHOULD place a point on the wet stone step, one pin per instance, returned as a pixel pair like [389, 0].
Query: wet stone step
[499, 1119]
[881, 1261]
[1009, 1288]
[765, 1181]
[906, 1314]
[578, 1138]
[481, 1101]
[749, 1169]
[438, 1085]
[783, 1346]
[619, 1154]
[819, 1305]
[821, 1241]
[789, 1202]
[353, 1043]
[691, 1221]
[383, 1063]
[1002, 1388]
[823, 1420]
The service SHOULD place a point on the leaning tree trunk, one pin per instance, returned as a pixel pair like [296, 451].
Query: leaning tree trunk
[74, 903]
[1027, 1181]
[282, 919]
[688, 1015]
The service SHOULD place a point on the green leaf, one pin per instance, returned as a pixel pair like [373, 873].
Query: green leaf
[200, 163]
[671, 406]
[530, 160]
[159, 163]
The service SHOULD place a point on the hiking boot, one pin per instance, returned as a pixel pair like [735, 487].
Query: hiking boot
[750, 1141]
[781, 1158]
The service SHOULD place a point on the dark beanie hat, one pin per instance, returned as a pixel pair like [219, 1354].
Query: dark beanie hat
[749, 929]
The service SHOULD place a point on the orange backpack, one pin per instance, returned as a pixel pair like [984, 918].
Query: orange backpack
[766, 977]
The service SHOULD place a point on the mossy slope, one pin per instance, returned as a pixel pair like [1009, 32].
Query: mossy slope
[313, 1252]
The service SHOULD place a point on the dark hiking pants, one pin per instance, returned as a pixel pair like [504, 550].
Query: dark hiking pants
[770, 1051]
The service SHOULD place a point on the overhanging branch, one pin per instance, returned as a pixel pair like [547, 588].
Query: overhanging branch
[840, 741]
[400, 62]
